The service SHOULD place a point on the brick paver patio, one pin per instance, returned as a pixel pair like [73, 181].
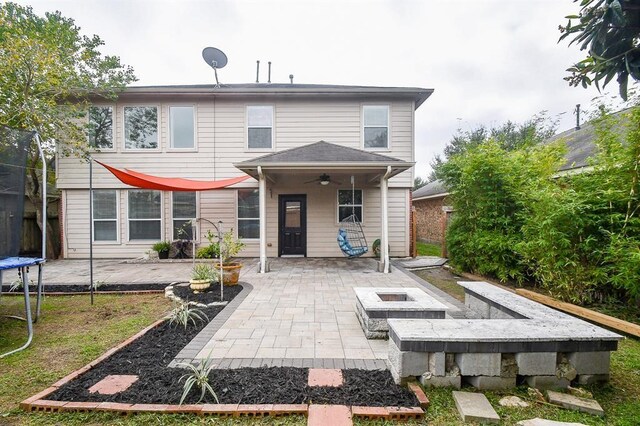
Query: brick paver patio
[302, 313]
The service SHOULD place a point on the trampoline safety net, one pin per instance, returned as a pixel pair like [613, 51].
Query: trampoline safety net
[14, 146]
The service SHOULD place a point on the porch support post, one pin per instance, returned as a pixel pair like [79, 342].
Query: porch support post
[384, 241]
[262, 192]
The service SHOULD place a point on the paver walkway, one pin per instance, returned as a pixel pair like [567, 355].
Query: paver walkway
[300, 312]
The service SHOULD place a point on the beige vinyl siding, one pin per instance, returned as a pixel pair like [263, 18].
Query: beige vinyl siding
[221, 140]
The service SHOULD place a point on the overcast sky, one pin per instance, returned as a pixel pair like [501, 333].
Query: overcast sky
[489, 61]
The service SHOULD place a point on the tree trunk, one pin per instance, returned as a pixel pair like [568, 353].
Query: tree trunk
[53, 246]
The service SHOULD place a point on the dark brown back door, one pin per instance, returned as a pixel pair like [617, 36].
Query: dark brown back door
[292, 224]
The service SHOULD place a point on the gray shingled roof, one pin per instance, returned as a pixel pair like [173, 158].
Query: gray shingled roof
[321, 152]
[432, 188]
[417, 94]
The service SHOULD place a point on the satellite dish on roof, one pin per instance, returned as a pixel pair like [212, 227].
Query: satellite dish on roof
[215, 58]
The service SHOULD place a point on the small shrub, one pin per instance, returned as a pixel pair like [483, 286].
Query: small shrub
[183, 314]
[198, 376]
[202, 271]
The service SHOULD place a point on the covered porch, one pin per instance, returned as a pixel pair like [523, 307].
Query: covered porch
[305, 192]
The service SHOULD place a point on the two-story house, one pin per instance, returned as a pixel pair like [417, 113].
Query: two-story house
[300, 144]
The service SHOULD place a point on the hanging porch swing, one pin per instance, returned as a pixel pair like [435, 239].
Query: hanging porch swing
[351, 239]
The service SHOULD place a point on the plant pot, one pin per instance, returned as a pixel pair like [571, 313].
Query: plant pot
[231, 273]
[163, 255]
[199, 285]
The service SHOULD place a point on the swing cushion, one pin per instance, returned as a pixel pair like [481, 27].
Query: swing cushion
[346, 247]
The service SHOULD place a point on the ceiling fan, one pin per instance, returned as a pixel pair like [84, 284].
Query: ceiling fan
[323, 179]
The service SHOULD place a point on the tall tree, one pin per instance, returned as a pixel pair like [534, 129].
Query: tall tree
[610, 31]
[48, 72]
[509, 136]
[418, 183]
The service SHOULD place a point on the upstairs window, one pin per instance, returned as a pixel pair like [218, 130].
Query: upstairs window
[248, 213]
[181, 125]
[376, 126]
[184, 210]
[260, 127]
[141, 127]
[105, 215]
[349, 202]
[100, 127]
[145, 215]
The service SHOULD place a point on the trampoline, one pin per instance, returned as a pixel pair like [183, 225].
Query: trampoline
[14, 146]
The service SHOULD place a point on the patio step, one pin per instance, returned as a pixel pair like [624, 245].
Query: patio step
[334, 415]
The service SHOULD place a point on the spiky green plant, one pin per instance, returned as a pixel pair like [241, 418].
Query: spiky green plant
[183, 314]
[198, 376]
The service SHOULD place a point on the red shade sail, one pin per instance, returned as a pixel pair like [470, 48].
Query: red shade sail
[144, 181]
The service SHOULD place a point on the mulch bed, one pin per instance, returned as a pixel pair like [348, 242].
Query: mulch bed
[148, 357]
[212, 294]
[75, 288]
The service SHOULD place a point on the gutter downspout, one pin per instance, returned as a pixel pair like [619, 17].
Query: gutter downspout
[263, 220]
[384, 241]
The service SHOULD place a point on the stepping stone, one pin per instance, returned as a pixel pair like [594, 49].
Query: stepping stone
[325, 377]
[544, 422]
[475, 407]
[113, 384]
[571, 402]
[424, 262]
[334, 415]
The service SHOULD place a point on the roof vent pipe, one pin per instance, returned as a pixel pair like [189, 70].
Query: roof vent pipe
[269, 74]
[577, 111]
[291, 78]
[257, 71]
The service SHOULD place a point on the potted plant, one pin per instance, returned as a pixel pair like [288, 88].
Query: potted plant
[162, 247]
[201, 277]
[230, 247]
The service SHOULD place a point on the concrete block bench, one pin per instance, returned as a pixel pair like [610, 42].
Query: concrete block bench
[517, 340]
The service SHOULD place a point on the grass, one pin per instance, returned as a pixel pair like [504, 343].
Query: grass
[71, 333]
[426, 249]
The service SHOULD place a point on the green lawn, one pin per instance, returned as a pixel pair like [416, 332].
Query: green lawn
[72, 333]
[426, 249]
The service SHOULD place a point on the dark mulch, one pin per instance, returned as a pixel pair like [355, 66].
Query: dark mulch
[212, 294]
[75, 288]
[149, 356]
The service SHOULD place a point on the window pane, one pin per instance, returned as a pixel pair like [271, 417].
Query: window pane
[375, 137]
[345, 196]
[182, 127]
[104, 205]
[101, 127]
[184, 205]
[248, 203]
[259, 138]
[346, 211]
[292, 214]
[182, 229]
[260, 116]
[376, 115]
[249, 228]
[144, 230]
[144, 205]
[140, 127]
[105, 230]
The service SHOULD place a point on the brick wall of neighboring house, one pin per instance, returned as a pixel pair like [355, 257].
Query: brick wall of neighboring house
[429, 219]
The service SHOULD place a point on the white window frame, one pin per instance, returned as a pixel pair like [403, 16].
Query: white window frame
[170, 146]
[116, 220]
[162, 230]
[362, 127]
[113, 129]
[124, 128]
[238, 218]
[196, 234]
[338, 205]
[273, 128]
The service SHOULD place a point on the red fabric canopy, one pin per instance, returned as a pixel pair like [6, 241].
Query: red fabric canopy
[144, 181]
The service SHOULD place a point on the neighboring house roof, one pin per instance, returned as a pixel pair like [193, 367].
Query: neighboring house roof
[417, 94]
[324, 155]
[433, 189]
